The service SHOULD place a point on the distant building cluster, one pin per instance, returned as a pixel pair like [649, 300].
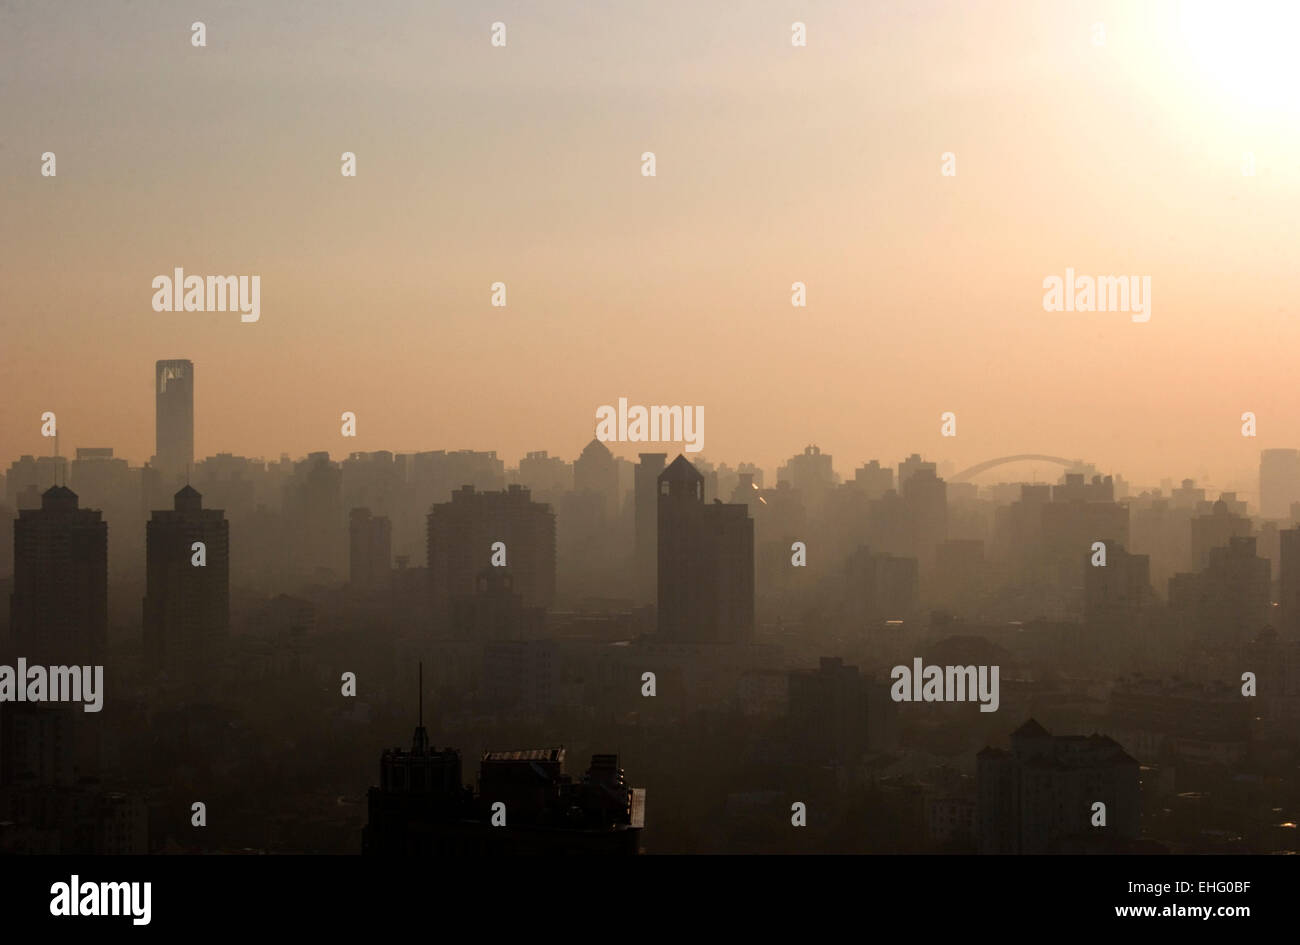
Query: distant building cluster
[701, 617]
[525, 804]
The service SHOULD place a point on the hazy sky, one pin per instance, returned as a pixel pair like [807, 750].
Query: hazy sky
[775, 164]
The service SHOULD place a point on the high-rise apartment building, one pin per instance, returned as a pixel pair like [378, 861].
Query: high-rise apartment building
[59, 606]
[187, 597]
[706, 562]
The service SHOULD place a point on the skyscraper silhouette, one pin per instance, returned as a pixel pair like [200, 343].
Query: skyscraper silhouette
[1289, 585]
[706, 562]
[1279, 482]
[174, 418]
[646, 522]
[595, 471]
[461, 534]
[59, 607]
[186, 606]
[316, 527]
[370, 549]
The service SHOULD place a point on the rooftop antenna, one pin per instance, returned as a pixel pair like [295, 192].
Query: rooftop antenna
[420, 743]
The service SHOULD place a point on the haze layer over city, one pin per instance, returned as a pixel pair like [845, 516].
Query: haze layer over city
[686, 428]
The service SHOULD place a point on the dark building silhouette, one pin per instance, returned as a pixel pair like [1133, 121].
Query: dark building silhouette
[376, 481]
[810, 474]
[460, 538]
[1079, 513]
[810, 471]
[780, 519]
[1178, 721]
[186, 607]
[37, 745]
[925, 497]
[418, 789]
[873, 479]
[494, 610]
[1279, 482]
[551, 812]
[59, 605]
[1040, 794]
[647, 522]
[911, 466]
[435, 473]
[431, 477]
[80, 821]
[29, 474]
[1228, 602]
[837, 714]
[547, 477]
[1118, 591]
[99, 477]
[1162, 530]
[173, 418]
[421, 807]
[105, 482]
[595, 471]
[1216, 527]
[313, 514]
[706, 562]
[880, 587]
[372, 481]
[7, 515]
[370, 549]
[1289, 584]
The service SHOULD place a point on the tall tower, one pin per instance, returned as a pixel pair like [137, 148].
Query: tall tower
[370, 549]
[595, 471]
[646, 521]
[59, 606]
[1289, 585]
[706, 562]
[461, 535]
[186, 605]
[1279, 482]
[174, 418]
[925, 497]
[312, 505]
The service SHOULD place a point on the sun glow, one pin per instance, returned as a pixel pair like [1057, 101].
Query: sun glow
[1246, 49]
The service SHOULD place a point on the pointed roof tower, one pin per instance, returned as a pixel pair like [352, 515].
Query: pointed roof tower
[1030, 729]
[58, 499]
[681, 479]
[188, 499]
[596, 449]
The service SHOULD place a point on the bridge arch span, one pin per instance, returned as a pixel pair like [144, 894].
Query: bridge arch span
[1018, 458]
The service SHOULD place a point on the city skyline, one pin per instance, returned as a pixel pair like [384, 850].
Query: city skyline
[175, 422]
[687, 429]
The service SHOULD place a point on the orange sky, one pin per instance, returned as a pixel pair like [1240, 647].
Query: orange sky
[775, 165]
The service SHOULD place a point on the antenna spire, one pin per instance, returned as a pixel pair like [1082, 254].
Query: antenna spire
[420, 742]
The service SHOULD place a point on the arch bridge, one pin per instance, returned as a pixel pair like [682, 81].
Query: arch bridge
[1018, 458]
